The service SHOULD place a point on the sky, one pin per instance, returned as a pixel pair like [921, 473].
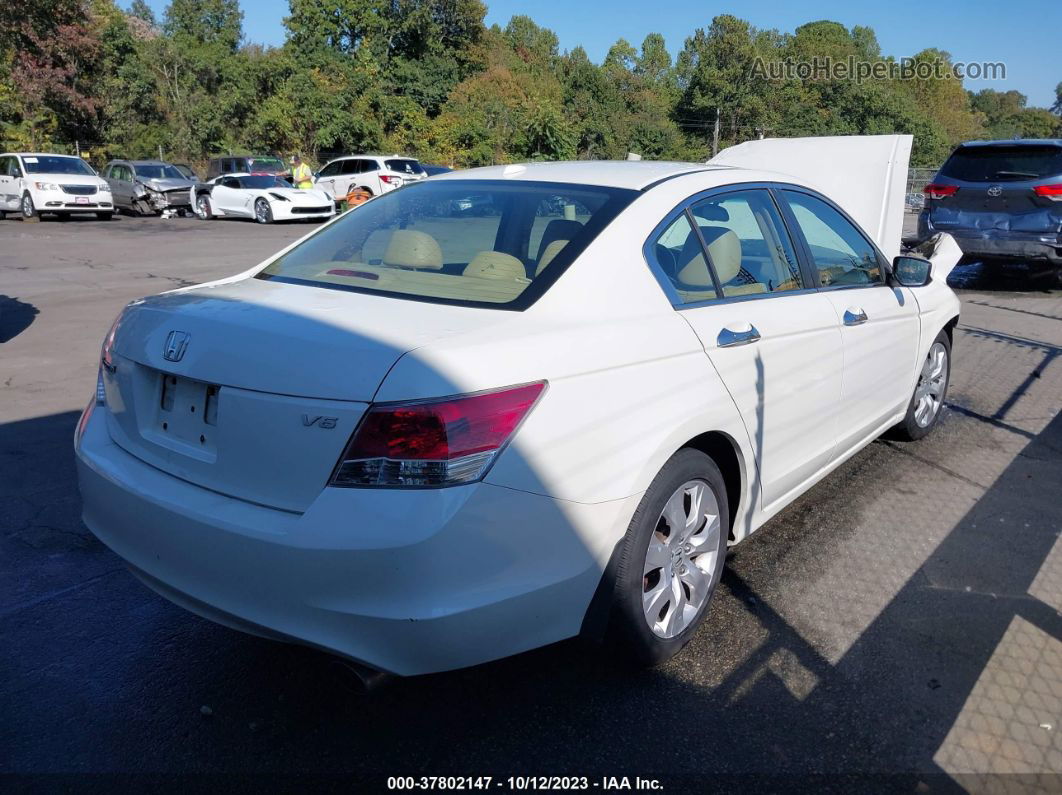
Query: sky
[1024, 36]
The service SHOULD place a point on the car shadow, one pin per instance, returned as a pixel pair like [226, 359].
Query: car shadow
[1001, 275]
[106, 676]
[15, 317]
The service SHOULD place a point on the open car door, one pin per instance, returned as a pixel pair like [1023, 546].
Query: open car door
[865, 174]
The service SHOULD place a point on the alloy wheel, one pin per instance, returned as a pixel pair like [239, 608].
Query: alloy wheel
[202, 207]
[929, 394]
[681, 559]
[27, 206]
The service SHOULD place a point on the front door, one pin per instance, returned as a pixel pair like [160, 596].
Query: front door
[774, 340]
[879, 324]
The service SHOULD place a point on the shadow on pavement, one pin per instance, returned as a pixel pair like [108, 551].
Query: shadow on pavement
[15, 317]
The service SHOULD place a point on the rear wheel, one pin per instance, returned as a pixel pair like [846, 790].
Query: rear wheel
[671, 559]
[927, 402]
[28, 210]
[263, 213]
[202, 207]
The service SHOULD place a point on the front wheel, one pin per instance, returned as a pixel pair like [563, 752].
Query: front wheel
[263, 213]
[671, 559]
[927, 402]
[202, 207]
[28, 210]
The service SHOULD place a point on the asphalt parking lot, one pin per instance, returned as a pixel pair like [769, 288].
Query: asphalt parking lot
[899, 624]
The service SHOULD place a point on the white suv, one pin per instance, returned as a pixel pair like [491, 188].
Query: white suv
[34, 183]
[375, 173]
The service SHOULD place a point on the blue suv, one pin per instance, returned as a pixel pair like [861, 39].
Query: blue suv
[1000, 199]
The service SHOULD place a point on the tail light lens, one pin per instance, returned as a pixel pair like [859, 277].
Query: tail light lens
[391, 180]
[433, 443]
[107, 351]
[1052, 192]
[933, 191]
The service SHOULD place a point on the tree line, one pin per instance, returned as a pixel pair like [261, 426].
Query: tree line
[429, 78]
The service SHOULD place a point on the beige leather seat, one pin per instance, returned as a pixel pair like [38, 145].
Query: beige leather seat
[496, 265]
[549, 253]
[409, 248]
[557, 229]
[724, 247]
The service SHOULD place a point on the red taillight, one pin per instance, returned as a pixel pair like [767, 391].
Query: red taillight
[1052, 192]
[391, 180]
[107, 351]
[436, 443]
[934, 191]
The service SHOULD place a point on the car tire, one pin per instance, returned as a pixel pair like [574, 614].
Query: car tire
[927, 402]
[105, 216]
[29, 212]
[3, 215]
[263, 213]
[202, 207]
[656, 609]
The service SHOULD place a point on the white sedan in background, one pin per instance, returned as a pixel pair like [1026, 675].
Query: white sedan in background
[263, 197]
[423, 439]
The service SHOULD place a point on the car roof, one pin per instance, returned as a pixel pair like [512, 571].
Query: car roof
[40, 154]
[1016, 142]
[631, 174]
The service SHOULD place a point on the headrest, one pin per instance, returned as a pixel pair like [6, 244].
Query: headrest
[724, 248]
[710, 212]
[495, 265]
[558, 229]
[409, 248]
[549, 253]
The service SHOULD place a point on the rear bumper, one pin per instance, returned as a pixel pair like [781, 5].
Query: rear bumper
[408, 582]
[998, 243]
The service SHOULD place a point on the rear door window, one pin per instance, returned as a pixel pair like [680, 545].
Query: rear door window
[404, 166]
[1003, 163]
[747, 244]
[488, 243]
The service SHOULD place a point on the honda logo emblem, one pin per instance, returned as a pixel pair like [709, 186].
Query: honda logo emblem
[995, 190]
[176, 345]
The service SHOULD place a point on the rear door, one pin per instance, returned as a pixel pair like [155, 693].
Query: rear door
[879, 324]
[773, 338]
[7, 183]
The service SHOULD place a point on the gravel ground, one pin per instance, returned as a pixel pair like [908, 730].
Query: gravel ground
[896, 628]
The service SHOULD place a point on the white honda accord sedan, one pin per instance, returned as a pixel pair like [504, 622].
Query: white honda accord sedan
[423, 438]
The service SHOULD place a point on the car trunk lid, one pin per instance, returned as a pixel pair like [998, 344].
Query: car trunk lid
[252, 388]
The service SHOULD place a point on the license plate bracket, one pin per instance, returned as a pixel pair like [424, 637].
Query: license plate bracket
[188, 411]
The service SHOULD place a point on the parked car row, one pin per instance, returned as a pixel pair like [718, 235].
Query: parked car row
[249, 186]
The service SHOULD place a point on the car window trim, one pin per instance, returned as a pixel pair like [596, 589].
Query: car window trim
[803, 243]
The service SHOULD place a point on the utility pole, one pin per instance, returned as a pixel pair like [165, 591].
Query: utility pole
[160, 151]
[77, 148]
[715, 135]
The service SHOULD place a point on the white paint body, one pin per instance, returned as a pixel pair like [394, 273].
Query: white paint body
[292, 206]
[411, 581]
[49, 191]
[340, 176]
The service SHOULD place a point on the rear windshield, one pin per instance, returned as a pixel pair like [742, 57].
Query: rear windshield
[56, 164]
[486, 243]
[157, 172]
[404, 166]
[265, 164]
[1003, 163]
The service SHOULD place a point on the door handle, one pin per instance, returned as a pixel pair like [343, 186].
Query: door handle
[731, 338]
[854, 316]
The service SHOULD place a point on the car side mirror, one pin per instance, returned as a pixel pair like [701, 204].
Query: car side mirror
[911, 271]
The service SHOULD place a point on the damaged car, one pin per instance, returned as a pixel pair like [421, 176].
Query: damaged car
[1000, 199]
[148, 187]
[424, 439]
[263, 197]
